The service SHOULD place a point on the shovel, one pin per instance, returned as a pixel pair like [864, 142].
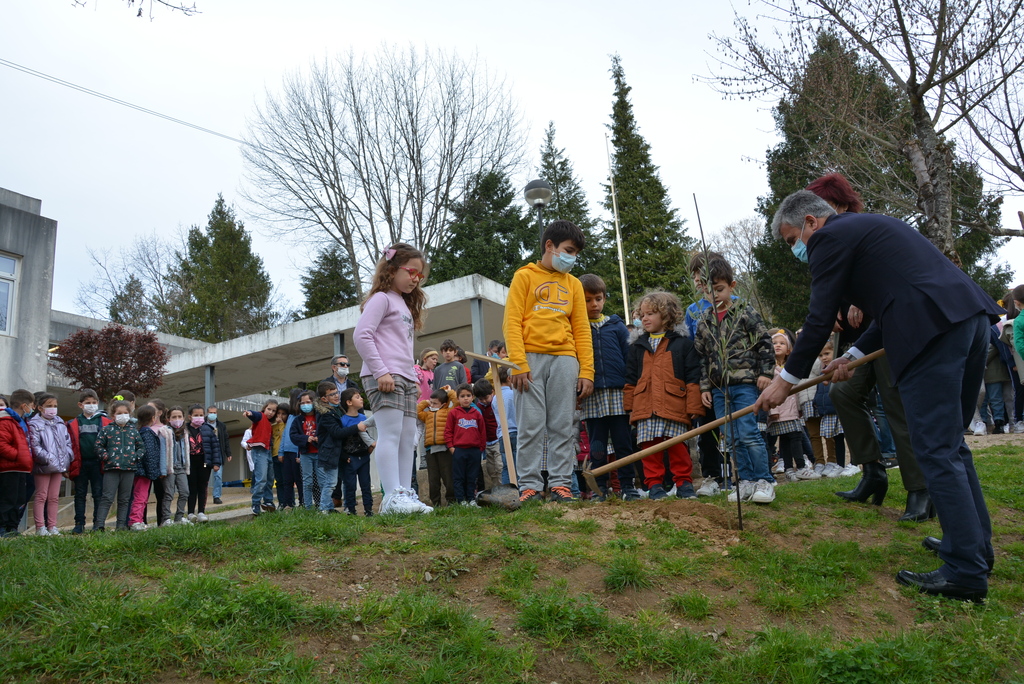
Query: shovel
[500, 495]
[591, 475]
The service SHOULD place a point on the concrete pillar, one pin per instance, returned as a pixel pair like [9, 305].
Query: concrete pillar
[476, 309]
[339, 343]
[211, 386]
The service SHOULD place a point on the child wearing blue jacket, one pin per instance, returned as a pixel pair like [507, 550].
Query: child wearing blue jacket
[603, 410]
[288, 456]
[357, 450]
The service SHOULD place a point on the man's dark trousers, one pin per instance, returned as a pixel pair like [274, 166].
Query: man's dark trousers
[939, 388]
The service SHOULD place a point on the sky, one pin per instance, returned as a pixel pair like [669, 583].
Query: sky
[108, 174]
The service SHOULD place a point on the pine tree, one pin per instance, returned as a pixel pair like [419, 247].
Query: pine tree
[490, 234]
[329, 285]
[654, 243]
[219, 289]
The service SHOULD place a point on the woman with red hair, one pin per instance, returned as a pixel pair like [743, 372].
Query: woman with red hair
[837, 191]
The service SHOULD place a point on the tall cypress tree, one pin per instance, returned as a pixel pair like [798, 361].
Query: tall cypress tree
[329, 285]
[654, 243]
[219, 289]
[490, 234]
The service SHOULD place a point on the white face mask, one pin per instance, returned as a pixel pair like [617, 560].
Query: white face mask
[89, 409]
[122, 419]
[341, 371]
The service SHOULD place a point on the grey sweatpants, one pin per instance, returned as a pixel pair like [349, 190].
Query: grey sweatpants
[548, 405]
[115, 483]
[175, 483]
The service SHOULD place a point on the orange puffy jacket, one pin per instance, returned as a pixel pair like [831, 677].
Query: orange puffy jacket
[663, 382]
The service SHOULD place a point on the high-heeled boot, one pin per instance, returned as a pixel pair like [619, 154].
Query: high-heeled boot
[873, 485]
[919, 507]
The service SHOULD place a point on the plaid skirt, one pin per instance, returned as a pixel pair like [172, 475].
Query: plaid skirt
[808, 410]
[784, 427]
[404, 397]
[830, 426]
[650, 429]
[602, 403]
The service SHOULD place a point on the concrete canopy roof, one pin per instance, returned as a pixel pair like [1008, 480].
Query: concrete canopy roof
[302, 351]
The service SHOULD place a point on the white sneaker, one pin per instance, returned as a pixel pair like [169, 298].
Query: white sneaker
[54, 532]
[1018, 427]
[833, 470]
[191, 517]
[791, 475]
[764, 492]
[806, 473]
[851, 469]
[979, 428]
[166, 523]
[709, 487]
[404, 501]
[746, 491]
[780, 467]
[42, 532]
[139, 527]
[201, 517]
[183, 521]
[819, 468]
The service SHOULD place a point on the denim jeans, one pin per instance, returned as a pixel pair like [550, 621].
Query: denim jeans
[218, 482]
[309, 467]
[742, 436]
[262, 474]
[994, 401]
[885, 440]
[465, 471]
[328, 479]
[512, 435]
[357, 470]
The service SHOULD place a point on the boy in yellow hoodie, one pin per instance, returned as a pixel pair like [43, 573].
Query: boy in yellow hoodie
[547, 335]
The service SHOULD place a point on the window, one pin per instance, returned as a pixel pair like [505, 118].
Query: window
[8, 280]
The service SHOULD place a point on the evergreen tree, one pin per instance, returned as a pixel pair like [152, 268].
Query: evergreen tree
[803, 155]
[654, 243]
[490, 234]
[130, 305]
[330, 284]
[218, 289]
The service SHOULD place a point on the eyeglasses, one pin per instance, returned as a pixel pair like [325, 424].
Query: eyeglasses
[413, 273]
[346, 365]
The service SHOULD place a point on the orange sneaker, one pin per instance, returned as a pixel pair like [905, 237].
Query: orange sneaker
[529, 495]
[561, 495]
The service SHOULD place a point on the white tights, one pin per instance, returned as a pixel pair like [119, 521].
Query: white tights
[396, 448]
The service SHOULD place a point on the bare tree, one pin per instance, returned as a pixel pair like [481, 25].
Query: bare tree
[736, 243]
[375, 151]
[187, 10]
[140, 267]
[927, 50]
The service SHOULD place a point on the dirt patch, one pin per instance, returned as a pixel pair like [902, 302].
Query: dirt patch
[711, 524]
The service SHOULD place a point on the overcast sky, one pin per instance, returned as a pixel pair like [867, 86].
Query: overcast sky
[107, 173]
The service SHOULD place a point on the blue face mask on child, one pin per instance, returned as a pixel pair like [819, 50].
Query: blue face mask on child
[306, 408]
[562, 262]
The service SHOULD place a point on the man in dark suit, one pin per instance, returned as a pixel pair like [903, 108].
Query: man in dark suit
[933, 321]
[340, 375]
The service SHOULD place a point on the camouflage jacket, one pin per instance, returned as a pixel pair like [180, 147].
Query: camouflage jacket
[745, 346]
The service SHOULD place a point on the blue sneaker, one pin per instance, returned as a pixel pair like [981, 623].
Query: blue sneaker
[685, 491]
[657, 492]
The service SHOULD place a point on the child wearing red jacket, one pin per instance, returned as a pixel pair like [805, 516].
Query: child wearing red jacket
[465, 435]
[15, 459]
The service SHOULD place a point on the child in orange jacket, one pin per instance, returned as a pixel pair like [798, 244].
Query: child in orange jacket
[433, 413]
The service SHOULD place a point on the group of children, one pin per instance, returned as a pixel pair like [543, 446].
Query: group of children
[119, 456]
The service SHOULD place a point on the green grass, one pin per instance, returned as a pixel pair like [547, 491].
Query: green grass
[526, 597]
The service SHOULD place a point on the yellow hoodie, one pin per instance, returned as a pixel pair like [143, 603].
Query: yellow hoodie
[546, 313]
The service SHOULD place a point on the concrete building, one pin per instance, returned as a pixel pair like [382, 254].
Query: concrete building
[28, 242]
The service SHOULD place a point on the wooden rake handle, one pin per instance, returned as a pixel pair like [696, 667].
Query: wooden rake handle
[661, 446]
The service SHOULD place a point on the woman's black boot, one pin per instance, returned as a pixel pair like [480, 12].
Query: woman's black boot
[873, 485]
[919, 507]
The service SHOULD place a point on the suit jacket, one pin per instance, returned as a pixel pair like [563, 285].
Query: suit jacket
[896, 276]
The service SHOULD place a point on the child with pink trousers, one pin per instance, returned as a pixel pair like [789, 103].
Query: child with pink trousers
[50, 444]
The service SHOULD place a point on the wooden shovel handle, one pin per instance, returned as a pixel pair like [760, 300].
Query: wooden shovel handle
[661, 446]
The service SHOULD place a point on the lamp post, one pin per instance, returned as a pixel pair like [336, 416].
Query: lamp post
[538, 194]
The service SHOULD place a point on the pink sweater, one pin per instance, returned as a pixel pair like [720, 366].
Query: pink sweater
[384, 337]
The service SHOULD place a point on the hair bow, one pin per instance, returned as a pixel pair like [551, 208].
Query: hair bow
[118, 398]
[389, 253]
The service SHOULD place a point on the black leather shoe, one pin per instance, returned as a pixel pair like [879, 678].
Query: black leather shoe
[919, 507]
[873, 485]
[935, 584]
[933, 544]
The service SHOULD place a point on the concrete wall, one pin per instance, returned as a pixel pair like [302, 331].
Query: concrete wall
[25, 233]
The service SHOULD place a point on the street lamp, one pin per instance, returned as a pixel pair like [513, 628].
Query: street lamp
[537, 194]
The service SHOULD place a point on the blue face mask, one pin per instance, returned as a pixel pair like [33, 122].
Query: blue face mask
[799, 248]
[637, 323]
[306, 408]
[562, 262]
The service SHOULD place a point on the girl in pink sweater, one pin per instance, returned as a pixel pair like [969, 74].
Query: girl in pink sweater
[384, 335]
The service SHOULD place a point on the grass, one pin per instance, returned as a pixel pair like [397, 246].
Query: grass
[485, 596]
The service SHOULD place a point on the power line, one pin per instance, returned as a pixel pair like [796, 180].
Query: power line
[108, 98]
